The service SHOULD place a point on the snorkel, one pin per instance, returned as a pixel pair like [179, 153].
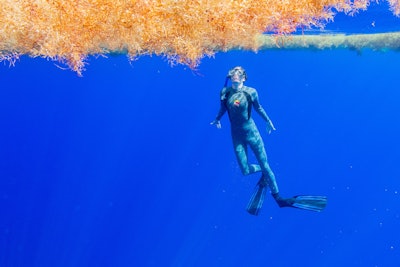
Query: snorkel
[226, 80]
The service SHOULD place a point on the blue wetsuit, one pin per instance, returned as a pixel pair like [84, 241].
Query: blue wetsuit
[239, 104]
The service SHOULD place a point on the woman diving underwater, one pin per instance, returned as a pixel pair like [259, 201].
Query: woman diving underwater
[238, 100]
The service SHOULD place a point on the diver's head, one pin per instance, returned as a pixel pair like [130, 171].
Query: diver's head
[237, 72]
[237, 75]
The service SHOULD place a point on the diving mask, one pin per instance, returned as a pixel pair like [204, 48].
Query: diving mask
[237, 71]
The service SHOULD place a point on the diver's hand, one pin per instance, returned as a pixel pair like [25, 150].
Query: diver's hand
[217, 123]
[270, 127]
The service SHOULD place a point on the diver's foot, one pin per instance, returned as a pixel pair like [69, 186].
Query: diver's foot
[254, 168]
[313, 203]
[263, 181]
[283, 202]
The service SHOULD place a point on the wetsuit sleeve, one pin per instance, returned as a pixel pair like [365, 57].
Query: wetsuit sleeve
[257, 106]
[221, 112]
[222, 108]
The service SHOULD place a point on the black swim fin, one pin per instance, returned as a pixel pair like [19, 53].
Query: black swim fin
[257, 199]
[313, 203]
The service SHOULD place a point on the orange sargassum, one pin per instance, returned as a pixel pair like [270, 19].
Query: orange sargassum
[182, 30]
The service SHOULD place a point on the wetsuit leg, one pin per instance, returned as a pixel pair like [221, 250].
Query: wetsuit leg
[257, 145]
[241, 156]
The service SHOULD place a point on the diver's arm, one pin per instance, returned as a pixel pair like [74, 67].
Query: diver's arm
[221, 111]
[260, 110]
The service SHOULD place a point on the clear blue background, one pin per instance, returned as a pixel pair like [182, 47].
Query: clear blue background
[120, 167]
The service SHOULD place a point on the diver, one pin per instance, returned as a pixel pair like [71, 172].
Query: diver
[239, 100]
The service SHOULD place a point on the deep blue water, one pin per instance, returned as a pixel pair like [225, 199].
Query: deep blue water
[120, 167]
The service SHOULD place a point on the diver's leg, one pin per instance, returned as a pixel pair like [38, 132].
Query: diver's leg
[257, 145]
[313, 203]
[241, 156]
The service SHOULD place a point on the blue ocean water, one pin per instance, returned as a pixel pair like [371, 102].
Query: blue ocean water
[121, 167]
